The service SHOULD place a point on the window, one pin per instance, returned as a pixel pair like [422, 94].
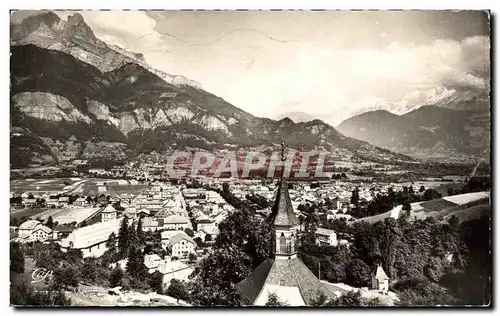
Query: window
[283, 243]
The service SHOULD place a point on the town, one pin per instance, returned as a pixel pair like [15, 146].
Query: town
[281, 158]
[147, 239]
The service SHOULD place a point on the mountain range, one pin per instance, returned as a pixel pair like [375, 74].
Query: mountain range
[452, 130]
[74, 96]
[297, 116]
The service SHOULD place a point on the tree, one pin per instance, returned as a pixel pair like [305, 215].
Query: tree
[189, 232]
[123, 238]
[192, 257]
[273, 300]
[215, 277]
[178, 290]
[225, 187]
[310, 226]
[50, 223]
[358, 273]
[111, 243]
[407, 208]
[156, 282]
[64, 278]
[140, 232]
[434, 270]
[135, 265]
[431, 194]
[24, 295]
[351, 299]
[208, 238]
[422, 189]
[115, 279]
[320, 300]
[355, 196]
[16, 258]
[89, 200]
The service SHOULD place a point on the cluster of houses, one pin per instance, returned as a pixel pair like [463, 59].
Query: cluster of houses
[207, 209]
[160, 208]
[181, 216]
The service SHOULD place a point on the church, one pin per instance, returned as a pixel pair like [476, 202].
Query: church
[283, 274]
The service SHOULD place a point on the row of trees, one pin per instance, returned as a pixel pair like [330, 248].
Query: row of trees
[426, 260]
[385, 202]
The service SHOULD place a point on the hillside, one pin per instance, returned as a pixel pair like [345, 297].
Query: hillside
[464, 206]
[131, 110]
[427, 132]
[296, 116]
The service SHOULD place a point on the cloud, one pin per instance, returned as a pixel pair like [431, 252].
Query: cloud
[319, 75]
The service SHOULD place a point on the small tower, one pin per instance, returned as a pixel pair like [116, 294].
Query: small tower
[380, 280]
[283, 274]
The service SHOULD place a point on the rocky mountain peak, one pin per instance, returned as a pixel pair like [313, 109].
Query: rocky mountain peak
[76, 28]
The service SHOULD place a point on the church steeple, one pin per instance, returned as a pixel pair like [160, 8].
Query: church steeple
[285, 223]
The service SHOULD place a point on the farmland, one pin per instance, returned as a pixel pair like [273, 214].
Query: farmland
[78, 186]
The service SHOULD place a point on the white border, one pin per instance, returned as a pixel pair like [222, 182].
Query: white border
[191, 4]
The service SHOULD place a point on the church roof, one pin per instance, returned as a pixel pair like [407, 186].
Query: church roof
[282, 212]
[284, 273]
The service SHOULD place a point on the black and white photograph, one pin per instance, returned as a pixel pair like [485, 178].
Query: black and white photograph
[250, 158]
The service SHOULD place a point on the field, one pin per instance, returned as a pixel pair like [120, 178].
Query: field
[67, 215]
[86, 186]
[442, 207]
[26, 212]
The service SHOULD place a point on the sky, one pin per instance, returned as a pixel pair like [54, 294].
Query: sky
[329, 64]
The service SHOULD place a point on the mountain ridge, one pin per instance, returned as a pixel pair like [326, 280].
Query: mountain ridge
[131, 110]
[427, 132]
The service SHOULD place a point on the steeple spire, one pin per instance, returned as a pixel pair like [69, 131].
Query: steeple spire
[285, 223]
[282, 211]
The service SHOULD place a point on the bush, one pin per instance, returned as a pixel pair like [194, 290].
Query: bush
[178, 290]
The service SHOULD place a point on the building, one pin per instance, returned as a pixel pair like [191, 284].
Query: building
[152, 262]
[13, 233]
[41, 233]
[181, 245]
[63, 201]
[174, 270]
[176, 222]
[205, 223]
[150, 224]
[91, 240]
[80, 202]
[61, 232]
[26, 228]
[167, 234]
[33, 231]
[109, 213]
[380, 280]
[52, 202]
[284, 274]
[212, 231]
[326, 237]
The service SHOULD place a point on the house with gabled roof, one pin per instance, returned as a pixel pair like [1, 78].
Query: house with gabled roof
[380, 280]
[109, 213]
[326, 237]
[181, 245]
[32, 230]
[91, 240]
[176, 222]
